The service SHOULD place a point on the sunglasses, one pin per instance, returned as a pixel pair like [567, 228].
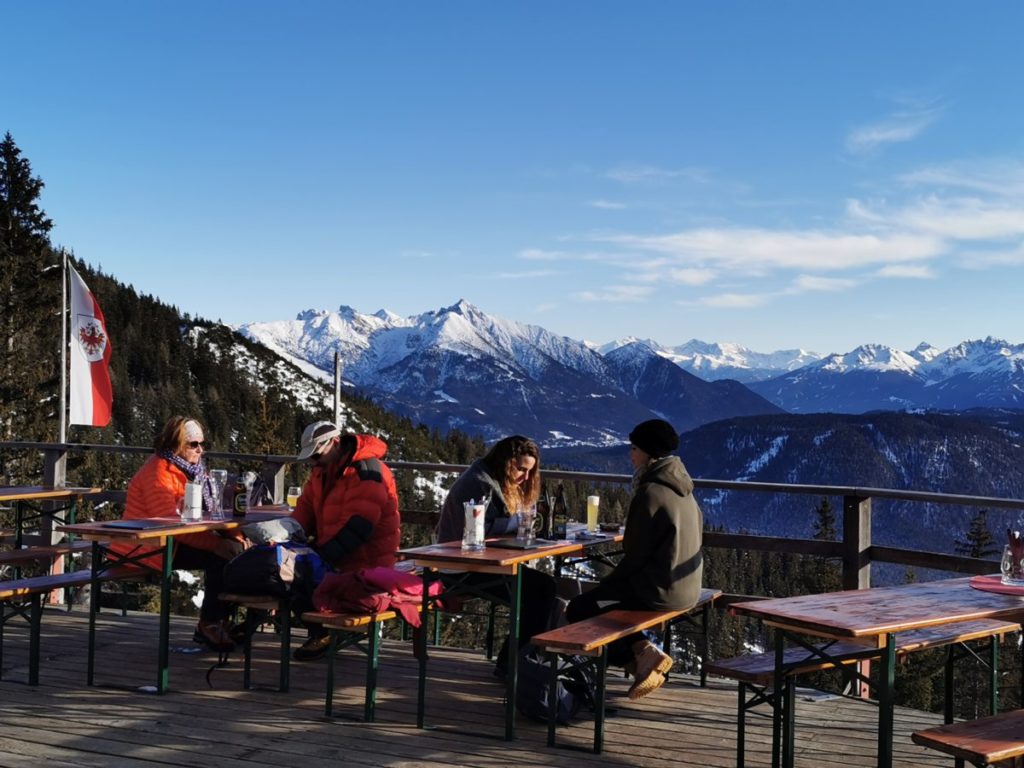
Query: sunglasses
[196, 444]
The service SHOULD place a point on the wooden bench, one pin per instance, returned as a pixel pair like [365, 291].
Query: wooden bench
[25, 597]
[986, 741]
[590, 638]
[348, 630]
[259, 609]
[755, 673]
[43, 554]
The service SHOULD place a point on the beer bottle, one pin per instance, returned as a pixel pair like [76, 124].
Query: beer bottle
[240, 503]
[544, 513]
[560, 515]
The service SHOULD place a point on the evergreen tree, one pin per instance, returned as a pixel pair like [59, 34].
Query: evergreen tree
[978, 541]
[29, 305]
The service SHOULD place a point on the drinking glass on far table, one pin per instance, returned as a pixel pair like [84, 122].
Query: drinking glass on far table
[593, 503]
[292, 497]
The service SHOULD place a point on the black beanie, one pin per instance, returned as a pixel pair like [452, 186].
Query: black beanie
[656, 438]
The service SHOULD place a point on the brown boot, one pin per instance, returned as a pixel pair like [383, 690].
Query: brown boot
[651, 666]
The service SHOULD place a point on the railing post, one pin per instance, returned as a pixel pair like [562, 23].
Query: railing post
[272, 473]
[55, 463]
[856, 542]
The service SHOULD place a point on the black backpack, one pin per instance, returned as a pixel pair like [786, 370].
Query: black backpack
[576, 687]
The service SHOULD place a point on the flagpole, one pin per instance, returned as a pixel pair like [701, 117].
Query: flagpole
[63, 345]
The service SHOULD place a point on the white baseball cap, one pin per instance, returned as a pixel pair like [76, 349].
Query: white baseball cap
[315, 438]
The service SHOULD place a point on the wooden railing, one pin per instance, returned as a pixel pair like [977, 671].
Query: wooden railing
[854, 546]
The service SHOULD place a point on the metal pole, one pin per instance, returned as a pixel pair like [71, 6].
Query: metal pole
[63, 345]
[338, 419]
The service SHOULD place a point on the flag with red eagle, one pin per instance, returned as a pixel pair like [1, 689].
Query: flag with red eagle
[91, 395]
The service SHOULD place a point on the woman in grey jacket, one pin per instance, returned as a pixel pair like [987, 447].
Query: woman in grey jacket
[662, 565]
[509, 477]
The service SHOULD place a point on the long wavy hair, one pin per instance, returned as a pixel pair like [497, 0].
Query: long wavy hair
[500, 458]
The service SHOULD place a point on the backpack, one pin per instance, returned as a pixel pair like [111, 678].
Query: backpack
[576, 687]
[282, 570]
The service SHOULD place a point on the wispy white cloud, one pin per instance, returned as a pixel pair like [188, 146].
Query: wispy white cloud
[617, 294]
[691, 276]
[526, 274]
[913, 271]
[806, 283]
[1002, 177]
[607, 205]
[901, 126]
[1010, 257]
[538, 254]
[729, 301]
[633, 174]
[744, 249]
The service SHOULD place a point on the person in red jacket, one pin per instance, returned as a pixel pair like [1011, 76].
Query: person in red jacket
[348, 508]
[155, 491]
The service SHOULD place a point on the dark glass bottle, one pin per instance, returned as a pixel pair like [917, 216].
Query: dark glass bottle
[544, 513]
[560, 515]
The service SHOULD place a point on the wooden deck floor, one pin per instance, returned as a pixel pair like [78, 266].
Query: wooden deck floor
[66, 723]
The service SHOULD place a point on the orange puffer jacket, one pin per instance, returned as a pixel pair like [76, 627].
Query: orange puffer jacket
[154, 491]
[363, 488]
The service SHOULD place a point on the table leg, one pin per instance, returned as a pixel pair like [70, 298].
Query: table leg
[420, 641]
[887, 681]
[515, 590]
[778, 681]
[163, 663]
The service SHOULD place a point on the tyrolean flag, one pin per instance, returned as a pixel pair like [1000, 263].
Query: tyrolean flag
[91, 395]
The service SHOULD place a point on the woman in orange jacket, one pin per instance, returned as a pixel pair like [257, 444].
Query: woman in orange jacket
[155, 491]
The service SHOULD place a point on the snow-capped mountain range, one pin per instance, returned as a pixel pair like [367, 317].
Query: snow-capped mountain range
[460, 367]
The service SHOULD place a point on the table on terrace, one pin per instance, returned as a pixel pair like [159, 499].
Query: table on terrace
[506, 564]
[874, 616]
[159, 532]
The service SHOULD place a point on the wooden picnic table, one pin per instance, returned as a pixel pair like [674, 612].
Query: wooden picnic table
[26, 497]
[158, 532]
[507, 565]
[874, 616]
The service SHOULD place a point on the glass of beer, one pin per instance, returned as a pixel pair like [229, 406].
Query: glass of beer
[292, 497]
[593, 503]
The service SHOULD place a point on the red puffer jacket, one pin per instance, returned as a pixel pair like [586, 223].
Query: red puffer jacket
[154, 491]
[363, 488]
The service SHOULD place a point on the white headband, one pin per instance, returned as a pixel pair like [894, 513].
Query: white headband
[193, 431]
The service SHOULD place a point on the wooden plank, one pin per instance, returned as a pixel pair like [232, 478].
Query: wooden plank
[43, 553]
[988, 739]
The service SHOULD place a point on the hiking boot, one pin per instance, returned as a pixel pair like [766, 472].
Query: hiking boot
[651, 666]
[213, 635]
[314, 648]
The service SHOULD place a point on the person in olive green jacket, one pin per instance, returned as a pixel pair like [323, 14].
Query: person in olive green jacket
[662, 565]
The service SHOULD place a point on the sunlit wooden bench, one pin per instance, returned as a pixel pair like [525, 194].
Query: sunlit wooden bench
[591, 637]
[993, 740]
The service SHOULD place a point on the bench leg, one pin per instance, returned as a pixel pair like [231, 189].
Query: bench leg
[490, 631]
[602, 669]
[552, 658]
[993, 680]
[420, 643]
[35, 622]
[705, 614]
[94, 606]
[741, 724]
[372, 666]
[284, 616]
[947, 680]
[332, 651]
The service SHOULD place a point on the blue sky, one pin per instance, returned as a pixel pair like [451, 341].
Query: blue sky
[776, 174]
